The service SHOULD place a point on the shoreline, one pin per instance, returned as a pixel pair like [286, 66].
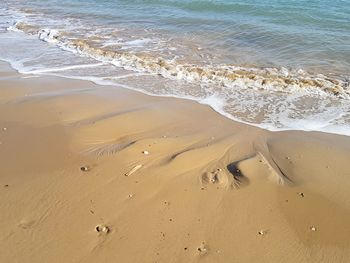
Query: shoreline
[166, 179]
[206, 101]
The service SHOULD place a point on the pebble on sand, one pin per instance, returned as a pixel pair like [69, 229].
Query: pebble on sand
[102, 229]
[145, 152]
[4, 129]
[202, 249]
[262, 232]
[85, 168]
[313, 228]
[301, 194]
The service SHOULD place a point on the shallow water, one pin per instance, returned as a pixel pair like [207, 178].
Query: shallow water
[274, 64]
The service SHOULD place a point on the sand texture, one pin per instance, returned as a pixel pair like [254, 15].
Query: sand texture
[94, 173]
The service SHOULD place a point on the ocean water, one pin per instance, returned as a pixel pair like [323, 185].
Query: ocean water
[275, 64]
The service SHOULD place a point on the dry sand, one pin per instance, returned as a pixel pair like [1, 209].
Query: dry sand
[99, 174]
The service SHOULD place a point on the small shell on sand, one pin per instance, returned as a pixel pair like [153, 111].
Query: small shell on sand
[84, 168]
[313, 228]
[262, 232]
[4, 129]
[133, 170]
[102, 229]
[145, 152]
[301, 194]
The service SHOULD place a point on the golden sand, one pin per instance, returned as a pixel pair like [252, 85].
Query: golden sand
[99, 174]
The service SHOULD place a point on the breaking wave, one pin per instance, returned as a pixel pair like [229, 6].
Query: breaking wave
[281, 80]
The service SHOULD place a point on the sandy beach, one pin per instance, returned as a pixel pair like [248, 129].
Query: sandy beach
[101, 174]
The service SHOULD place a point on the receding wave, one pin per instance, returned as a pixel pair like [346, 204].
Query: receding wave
[281, 80]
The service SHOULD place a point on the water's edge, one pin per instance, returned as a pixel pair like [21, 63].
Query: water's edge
[216, 109]
[113, 49]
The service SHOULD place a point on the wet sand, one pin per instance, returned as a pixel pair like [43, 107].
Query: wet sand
[94, 173]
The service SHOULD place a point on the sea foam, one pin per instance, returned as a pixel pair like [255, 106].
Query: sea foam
[281, 80]
[271, 98]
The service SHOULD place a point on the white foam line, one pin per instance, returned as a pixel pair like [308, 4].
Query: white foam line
[214, 102]
[29, 77]
[63, 68]
[215, 106]
[128, 75]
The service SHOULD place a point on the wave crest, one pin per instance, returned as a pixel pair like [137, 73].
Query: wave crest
[282, 80]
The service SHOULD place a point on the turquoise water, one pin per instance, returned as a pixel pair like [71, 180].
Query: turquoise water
[274, 64]
[313, 35]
